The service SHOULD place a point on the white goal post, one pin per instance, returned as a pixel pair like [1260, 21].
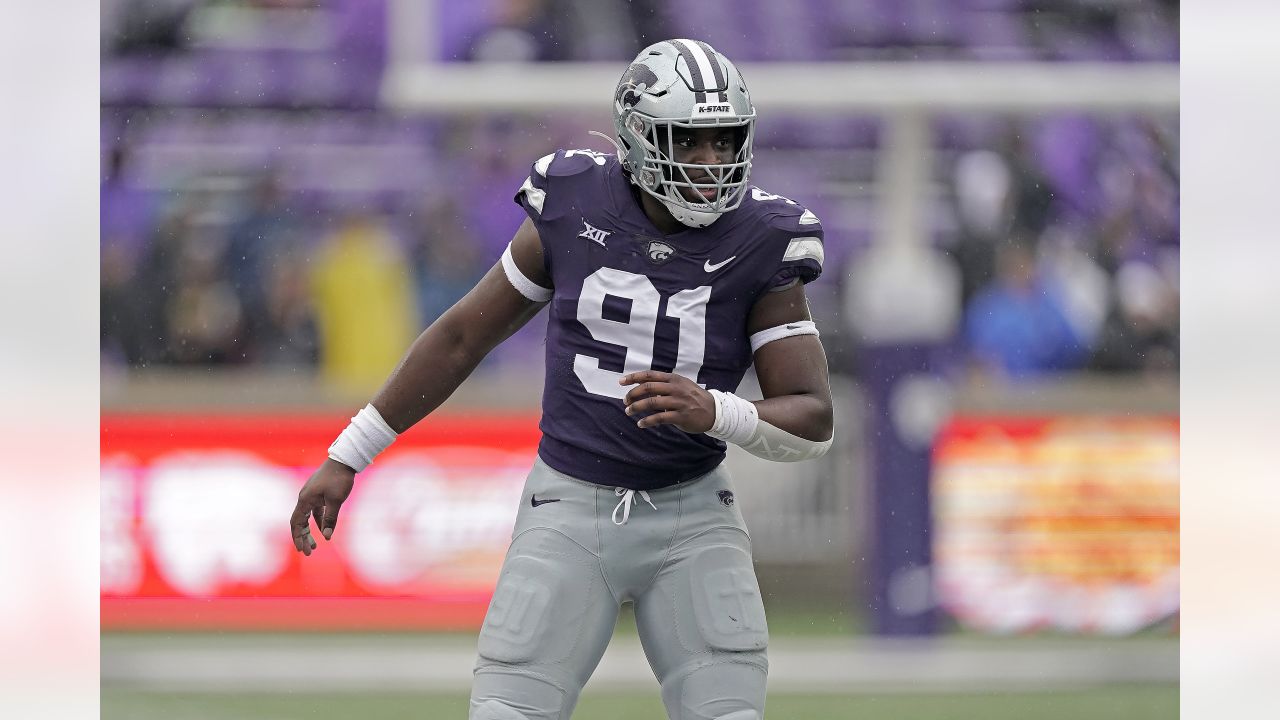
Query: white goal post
[873, 88]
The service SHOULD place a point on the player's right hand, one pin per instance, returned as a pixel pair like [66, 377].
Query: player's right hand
[321, 497]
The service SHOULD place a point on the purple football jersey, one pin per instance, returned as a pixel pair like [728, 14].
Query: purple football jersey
[630, 298]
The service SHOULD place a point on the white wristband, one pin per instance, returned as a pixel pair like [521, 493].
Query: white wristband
[362, 440]
[736, 418]
[738, 422]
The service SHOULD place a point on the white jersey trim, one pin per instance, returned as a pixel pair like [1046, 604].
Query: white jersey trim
[543, 163]
[536, 197]
[804, 247]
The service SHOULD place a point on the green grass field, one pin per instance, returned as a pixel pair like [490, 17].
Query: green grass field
[133, 699]
[1121, 703]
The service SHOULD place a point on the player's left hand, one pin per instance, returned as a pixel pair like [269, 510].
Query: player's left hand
[669, 399]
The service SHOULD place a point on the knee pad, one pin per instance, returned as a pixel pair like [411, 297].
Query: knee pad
[726, 690]
[495, 710]
[518, 694]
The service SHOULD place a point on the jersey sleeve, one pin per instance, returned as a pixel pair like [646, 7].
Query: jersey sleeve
[800, 239]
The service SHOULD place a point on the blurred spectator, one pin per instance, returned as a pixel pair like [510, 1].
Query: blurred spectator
[1150, 30]
[363, 301]
[123, 226]
[650, 20]
[522, 31]
[446, 259]
[1141, 333]
[1140, 221]
[264, 231]
[120, 311]
[203, 314]
[554, 30]
[997, 191]
[1032, 201]
[983, 193]
[287, 333]
[1018, 326]
[613, 29]
[490, 160]
[150, 27]
[124, 210]
[156, 279]
[1084, 286]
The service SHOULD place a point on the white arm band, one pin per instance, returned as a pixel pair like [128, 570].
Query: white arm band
[764, 337]
[522, 283]
[366, 436]
[737, 421]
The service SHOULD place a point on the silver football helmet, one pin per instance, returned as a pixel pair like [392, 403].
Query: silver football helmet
[683, 83]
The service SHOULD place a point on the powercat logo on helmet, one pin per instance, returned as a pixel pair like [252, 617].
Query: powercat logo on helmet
[634, 83]
[712, 109]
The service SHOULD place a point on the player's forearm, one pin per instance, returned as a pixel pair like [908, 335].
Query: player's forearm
[806, 416]
[437, 363]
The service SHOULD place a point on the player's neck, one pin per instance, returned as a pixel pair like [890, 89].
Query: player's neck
[657, 213]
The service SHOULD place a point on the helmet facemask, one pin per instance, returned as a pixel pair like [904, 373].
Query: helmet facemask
[662, 177]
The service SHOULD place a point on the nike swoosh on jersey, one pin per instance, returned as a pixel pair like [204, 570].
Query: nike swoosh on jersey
[712, 268]
[534, 501]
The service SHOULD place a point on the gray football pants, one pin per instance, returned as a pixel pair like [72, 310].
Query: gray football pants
[687, 567]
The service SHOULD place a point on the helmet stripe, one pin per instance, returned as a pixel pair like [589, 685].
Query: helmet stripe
[715, 68]
[697, 62]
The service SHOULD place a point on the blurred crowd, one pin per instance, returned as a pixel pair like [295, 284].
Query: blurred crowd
[242, 266]
[747, 30]
[1068, 252]
[313, 230]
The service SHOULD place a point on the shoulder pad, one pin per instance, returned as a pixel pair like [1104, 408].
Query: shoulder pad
[784, 214]
[564, 163]
[795, 233]
[539, 192]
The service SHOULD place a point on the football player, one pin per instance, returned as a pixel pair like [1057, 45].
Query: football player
[666, 275]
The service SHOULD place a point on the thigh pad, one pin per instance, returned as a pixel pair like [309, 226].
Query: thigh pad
[727, 606]
[540, 605]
